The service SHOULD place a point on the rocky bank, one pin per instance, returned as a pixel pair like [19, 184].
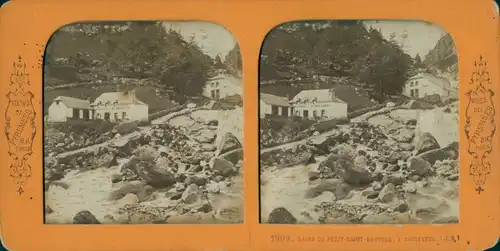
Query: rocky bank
[399, 166]
[128, 181]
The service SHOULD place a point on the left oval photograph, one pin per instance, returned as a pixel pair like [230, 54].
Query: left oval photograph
[143, 124]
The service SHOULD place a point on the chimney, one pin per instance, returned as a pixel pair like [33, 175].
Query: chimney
[131, 93]
[332, 93]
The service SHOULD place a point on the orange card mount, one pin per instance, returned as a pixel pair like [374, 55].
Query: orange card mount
[372, 124]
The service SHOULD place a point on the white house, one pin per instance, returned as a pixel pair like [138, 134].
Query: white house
[120, 106]
[424, 84]
[272, 105]
[319, 104]
[222, 86]
[63, 108]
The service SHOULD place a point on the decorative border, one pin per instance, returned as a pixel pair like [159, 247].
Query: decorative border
[481, 129]
[20, 128]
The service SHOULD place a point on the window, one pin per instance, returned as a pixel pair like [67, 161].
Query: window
[412, 93]
[274, 110]
[305, 114]
[416, 82]
[416, 93]
[212, 94]
[323, 113]
[86, 114]
[284, 111]
[217, 94]
[106, 116]
[76, 113]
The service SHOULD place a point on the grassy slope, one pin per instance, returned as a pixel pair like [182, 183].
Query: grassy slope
[65, 45]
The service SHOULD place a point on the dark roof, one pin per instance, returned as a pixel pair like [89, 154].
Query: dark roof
[74, 102]
[274, 100]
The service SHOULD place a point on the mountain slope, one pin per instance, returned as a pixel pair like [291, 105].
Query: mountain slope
[443, 56]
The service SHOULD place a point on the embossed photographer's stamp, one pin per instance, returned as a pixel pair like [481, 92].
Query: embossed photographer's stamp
[20, 126]
[480, 124]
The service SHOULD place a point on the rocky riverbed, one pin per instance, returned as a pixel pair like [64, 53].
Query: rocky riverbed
[394, 167]
[185, 171]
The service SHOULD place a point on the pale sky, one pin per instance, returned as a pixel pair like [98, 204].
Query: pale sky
[213, 39]
[422, 36]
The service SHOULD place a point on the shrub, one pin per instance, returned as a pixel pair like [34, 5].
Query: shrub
[327, 125]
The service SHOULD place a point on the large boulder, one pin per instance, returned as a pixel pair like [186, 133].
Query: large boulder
[419, 166]
[140, 188]
[403, 135]
[223, 167]
[281, 216]
[425, 142]
[155, 176]
[388, 193]
[234, 156]
[338, 187]
[450, 152]
[205, 136]
[191, 195]
[85, 217]
[341, 162]
[228, 143]
[124, 146]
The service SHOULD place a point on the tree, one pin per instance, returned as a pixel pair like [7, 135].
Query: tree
[187, 69]
[385, 69]
[218, 63]
[418, 62]
[142, 48]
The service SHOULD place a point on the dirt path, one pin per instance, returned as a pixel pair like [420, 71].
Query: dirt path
[294, 143]
[358, 119]
[93, 147]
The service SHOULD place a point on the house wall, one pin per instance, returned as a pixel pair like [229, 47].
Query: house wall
[264, 109]
[100, 112]
[224, 86]
[139, 113]
[59, 112]
[424, 87]
[331, 109]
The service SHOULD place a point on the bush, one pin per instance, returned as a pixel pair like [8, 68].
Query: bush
[279, 130]
[360, 112]
[162, 113]
[75, 134]
[327, 125]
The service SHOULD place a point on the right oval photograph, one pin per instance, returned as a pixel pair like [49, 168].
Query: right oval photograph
[359, 123]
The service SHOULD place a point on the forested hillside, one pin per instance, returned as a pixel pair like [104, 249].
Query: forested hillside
[103, 51]
[109, 56]
[349, 49]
